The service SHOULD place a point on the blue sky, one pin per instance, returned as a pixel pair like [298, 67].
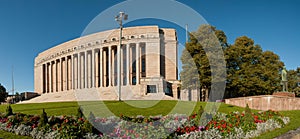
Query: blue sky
[28, 27]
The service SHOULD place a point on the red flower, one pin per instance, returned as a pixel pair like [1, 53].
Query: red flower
[9, 125]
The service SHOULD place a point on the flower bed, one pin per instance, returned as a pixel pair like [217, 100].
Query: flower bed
[232, 125]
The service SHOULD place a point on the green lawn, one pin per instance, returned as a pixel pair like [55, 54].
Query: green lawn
[8, 135]
[117, 108]
[133, 108]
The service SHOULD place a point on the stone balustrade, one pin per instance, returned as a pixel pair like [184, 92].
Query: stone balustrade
[266, 102]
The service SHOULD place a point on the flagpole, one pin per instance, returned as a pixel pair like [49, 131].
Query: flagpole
[13, 87]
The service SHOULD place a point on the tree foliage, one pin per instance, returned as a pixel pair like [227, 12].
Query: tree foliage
[79, 112]
[9, 111]
[249, 69]
[201, 58]
[3, 93]
[43, 119]
[293, 80]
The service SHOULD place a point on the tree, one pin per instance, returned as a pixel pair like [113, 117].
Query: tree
[43, 119]
[250, 71]
[9, 111]
[293, 79]
[297, 90]
[201, 58]
[3, 93]
[79, 112]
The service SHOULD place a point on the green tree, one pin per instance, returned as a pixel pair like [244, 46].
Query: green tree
[43, 119]
[271, 65]
[189, 76]
[250, 71]
[9, 111]
[79, 112]
[201, 58]
[248, 120]
[293, 79]
[3, 93]
[297, 90]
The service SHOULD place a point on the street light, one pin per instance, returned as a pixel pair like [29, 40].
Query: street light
[119, 18]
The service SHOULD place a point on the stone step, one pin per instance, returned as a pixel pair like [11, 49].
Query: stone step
[98, 94]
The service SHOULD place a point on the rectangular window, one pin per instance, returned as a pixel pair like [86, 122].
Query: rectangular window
[168, 89]
[151, 89]
[44, 78]
[143, 60]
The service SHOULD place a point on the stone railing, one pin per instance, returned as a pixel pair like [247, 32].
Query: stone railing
[288, 94]
[266, 102]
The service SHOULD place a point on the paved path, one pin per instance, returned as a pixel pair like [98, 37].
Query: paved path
[296, 137]
[293, 134]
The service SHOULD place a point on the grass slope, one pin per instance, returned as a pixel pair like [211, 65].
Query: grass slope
[130, 108]
[8, 135]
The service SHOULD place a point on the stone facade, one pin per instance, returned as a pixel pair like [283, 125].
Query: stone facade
[148, 63]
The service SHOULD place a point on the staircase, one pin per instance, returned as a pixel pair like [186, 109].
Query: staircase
[94, 94]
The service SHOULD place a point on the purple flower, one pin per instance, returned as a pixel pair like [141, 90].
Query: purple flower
[100, 134]
[118, 131]
[201, 128]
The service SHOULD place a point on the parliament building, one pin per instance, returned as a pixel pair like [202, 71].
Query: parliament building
[148, 64]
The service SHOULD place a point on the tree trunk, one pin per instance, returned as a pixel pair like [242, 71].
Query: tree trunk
[206, 94]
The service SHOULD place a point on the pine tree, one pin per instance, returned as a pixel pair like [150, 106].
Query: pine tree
[79, 113]
[9, 111]
[43, 119]
[248, 122]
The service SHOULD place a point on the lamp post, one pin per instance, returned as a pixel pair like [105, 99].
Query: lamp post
[119, 18]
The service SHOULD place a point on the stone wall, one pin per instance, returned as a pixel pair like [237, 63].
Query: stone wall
[266, 102]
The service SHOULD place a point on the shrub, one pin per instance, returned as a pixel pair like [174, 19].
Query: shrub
[248, 122]
[198, 117]
[87, 127]
[79, 113]
[248, 115]
[9, 111]
[44, 119]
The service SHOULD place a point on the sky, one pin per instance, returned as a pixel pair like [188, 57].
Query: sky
[28, 27]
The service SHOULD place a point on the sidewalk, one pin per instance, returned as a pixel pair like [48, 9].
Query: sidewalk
[293, 134]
